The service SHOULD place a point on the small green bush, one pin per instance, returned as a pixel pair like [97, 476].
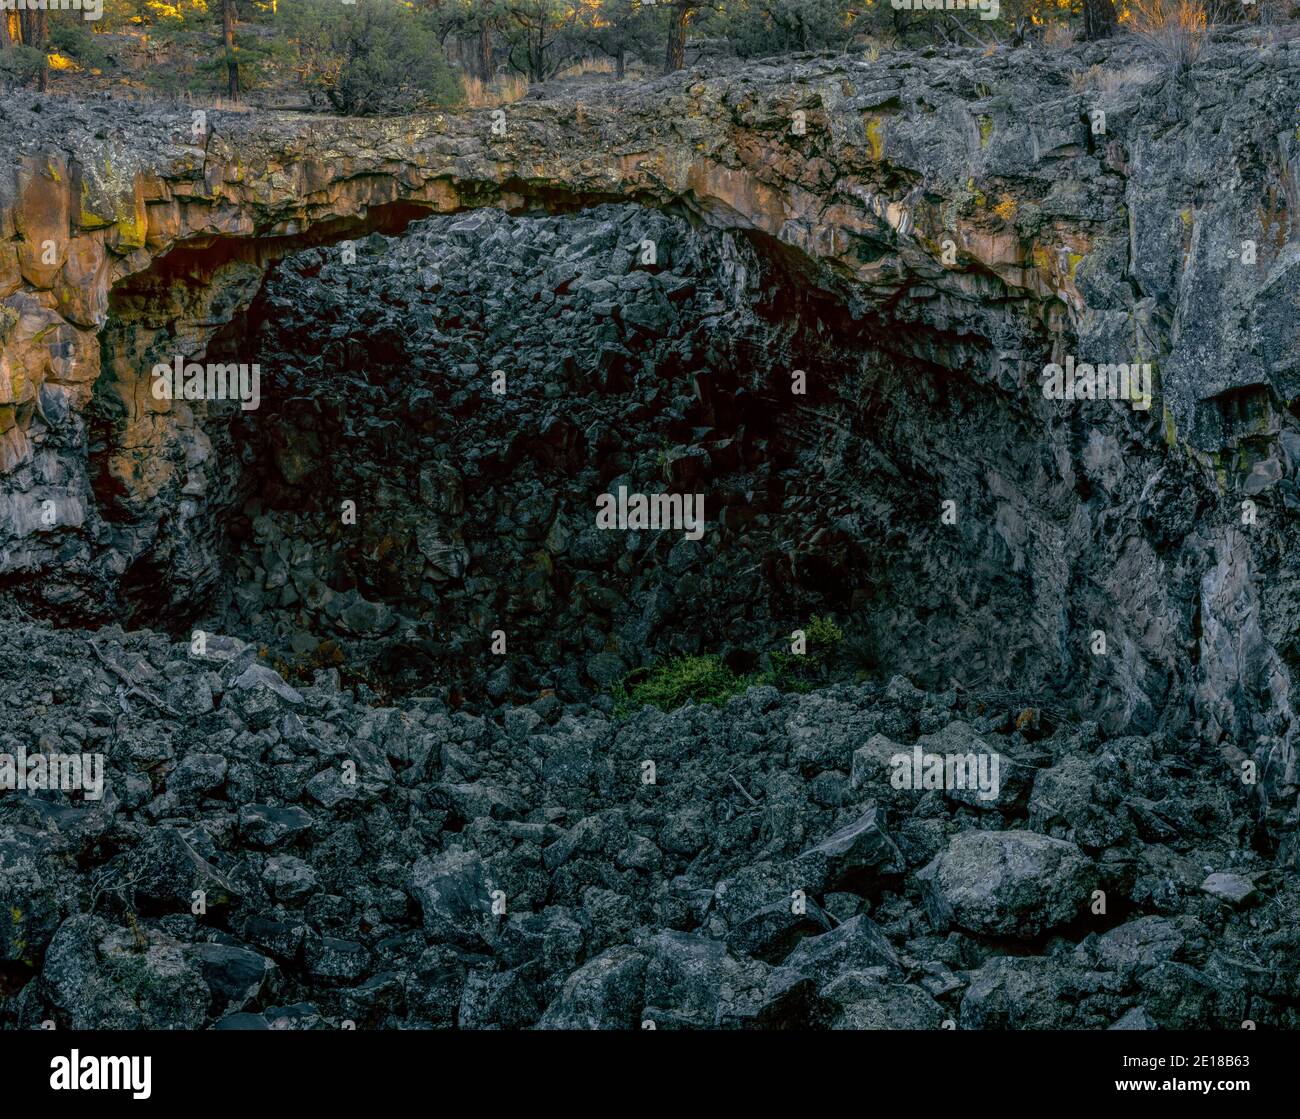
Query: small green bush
[800, 672]
[824, 636]
[682, 680]
[705, 679]
[20, 65]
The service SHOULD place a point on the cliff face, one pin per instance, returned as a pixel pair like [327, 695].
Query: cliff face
[971, 219]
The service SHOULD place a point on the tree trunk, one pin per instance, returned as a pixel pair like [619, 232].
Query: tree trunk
[228, 36]
[1099, 19]
[620, 63]
[4, 29]
[537, 58]
[40, 40]
[32, 26]
[675, 59]
[29, 30]
[485, 52]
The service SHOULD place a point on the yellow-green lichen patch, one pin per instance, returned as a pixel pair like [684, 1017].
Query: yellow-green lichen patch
[87, 218]
[875, 139]
[131, 230]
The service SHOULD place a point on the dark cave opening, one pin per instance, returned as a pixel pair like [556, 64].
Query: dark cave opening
[845, 456]
[825, 450]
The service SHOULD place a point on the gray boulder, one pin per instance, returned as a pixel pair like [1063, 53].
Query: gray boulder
[1006, 883]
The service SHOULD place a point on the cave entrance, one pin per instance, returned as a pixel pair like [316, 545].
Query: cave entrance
[444, 399]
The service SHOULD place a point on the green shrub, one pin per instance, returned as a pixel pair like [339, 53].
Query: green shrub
[74, 41]
[372, 57]
[196, 61]
[800, 672]
[20, 65]
[705, 679]
[778, 27]
[677, 682]
[824, 636]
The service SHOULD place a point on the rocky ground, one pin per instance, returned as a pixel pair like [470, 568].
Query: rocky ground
[415, 866]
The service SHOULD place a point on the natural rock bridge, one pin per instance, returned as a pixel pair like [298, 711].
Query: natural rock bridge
[975, 216]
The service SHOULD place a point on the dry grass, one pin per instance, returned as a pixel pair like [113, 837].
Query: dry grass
[1109, 80]
[142, 95]
[587, 66]
[1060, 35]
[874, 44]
[216, 101]
[503, 91]
[1174, 29]
[512, 87]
